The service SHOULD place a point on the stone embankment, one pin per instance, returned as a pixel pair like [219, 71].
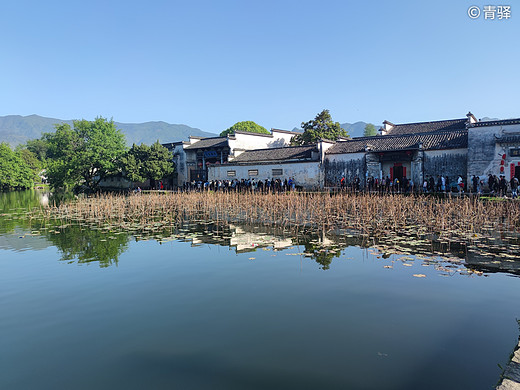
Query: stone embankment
[511, 375]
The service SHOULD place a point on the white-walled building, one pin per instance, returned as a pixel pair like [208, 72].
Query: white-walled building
[494, 148]
[192, 158]
[449, 148]
[302, 163]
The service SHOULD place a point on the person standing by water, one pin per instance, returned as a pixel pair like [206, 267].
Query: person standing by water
[474, 180]
[460, 183]
[514, 186]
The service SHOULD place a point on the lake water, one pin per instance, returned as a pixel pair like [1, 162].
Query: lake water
[241, 307]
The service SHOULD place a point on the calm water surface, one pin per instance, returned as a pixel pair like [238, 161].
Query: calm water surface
[247, 309]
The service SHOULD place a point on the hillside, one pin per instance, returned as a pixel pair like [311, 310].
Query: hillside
[356, 129]
[16, 129]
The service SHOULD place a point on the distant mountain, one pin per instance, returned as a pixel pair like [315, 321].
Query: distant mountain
[16, 129]
[487, 119]
[356, 129]
[353, 129]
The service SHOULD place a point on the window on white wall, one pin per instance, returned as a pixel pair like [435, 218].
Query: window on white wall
[252, 172]
[277, 172]
[231, 173]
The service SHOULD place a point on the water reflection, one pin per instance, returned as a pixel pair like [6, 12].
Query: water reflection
[19, 200]
[104, 243]
[81, 244]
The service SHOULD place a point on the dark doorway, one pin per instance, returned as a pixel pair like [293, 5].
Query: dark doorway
[197, 174]
[517, 172]
[399, 173]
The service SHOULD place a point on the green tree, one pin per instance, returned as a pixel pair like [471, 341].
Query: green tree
[14, 172]
[321, 127]
[370, 130]
[85, 154]
[63, 148]
[248, 126]
[31, 161]
[143, 162]
[38, 147]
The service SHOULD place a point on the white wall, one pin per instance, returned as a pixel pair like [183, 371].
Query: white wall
[281, 135]
[259, 141]
[305, 174]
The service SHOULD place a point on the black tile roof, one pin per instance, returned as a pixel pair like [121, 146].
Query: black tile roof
[497, 123]
[428, 127]
[213, 142]
[277, 154]
[385, 143]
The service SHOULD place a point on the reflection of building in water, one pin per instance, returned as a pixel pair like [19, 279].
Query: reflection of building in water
[44, 199]
[21, 240]
[245, 241]
[242, 238]
[248, 238]
[492, 262]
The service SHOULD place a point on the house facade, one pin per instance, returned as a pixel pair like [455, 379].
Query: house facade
[192, 158]
[416, 151]
[494, 148]
[412, 151]
[302, 163]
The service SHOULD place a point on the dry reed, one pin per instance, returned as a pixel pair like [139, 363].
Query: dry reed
[461, 219]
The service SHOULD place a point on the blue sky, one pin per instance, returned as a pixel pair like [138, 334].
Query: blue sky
[209, 64]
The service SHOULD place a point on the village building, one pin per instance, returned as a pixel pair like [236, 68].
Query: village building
[192, 158]
[494, 149]
[416, 151]
[412, 151]
[301, 163]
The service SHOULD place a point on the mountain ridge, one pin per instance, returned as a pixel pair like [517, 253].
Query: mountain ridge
[17, 129]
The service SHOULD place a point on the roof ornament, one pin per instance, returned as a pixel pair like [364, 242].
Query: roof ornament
[471, 118]
[387, 126]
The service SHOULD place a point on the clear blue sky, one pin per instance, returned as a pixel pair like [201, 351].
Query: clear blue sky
[209, 64]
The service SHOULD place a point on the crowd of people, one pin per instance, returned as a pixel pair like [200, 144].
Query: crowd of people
[496, 186]
[250, 184]
[384, 185]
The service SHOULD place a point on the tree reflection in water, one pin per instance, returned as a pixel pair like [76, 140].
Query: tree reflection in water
[84, 244]
[103, 242]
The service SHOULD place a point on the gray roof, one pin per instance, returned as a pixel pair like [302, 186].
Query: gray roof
[213, 142]
[497, 123]
[277, 154]
[430, 141]
[428, 127]
[251, 133]
[286, 131]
